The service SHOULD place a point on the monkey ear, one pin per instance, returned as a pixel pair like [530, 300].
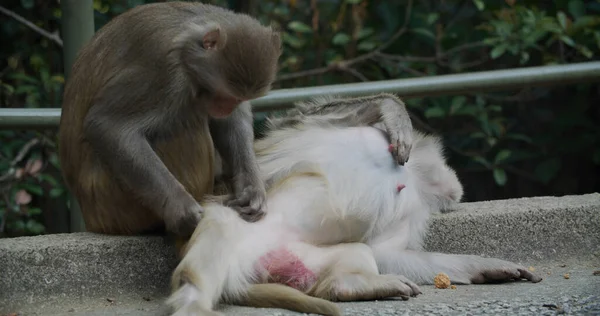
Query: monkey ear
[212, 39]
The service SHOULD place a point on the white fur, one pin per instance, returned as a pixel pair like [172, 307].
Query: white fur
[345, 191]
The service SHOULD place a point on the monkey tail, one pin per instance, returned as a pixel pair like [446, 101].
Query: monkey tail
[273, 295]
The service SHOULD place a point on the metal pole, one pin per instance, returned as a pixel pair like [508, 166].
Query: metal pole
[441, 85]
[405, 88]
[77, 28]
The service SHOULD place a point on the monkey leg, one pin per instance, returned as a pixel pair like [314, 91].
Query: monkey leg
[209, 260]
[351, 275]
[422, 267]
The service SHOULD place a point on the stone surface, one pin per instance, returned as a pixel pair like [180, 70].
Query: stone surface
[538, 228]
[53, 274]
[578, 295]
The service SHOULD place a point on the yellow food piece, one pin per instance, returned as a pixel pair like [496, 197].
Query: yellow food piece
[441, 281]
[566, 276]
[532, 269]
[453, 287]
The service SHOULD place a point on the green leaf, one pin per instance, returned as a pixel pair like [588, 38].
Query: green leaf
[293, 41]
[424, 32]
[34, 227]
[34, 211]
[436, 111]
[477, 135]
[299, 27]
[367, 46]
[500, 176]
[567, 40]
[27, 4]
[432, 18]
[341, 39]
[364, 33]
[576, 8]
[502, 155]
[353, 1]
[56, 192]
[24, 77]
[482, 161]
[498, 51]
[547, 170]
[524, 58]
[520, 137]
[479, 4]
[468, 110]
[32, 188]
[585, 51]
[457, 103]
[562, 19]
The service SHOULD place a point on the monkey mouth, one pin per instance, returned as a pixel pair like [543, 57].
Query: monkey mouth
[223, 106]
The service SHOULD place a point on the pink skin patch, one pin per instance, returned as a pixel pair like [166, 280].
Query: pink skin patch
[400, 187]
[391, 148]
[284, 267]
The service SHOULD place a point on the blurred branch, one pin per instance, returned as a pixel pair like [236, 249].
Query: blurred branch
[345, 64]
[51, 36]
[439, 58]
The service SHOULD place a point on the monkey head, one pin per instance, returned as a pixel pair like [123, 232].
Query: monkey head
[234, 61]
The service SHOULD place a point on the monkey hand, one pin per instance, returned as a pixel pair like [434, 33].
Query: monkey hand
[182, 219]
[401, 144]
[400, 131]
[492, 270]
[249, 202]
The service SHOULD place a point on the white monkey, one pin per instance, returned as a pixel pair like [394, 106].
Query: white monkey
[346, 216]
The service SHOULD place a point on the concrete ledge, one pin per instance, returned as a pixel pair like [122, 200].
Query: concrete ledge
[526, 229]
[50, 269]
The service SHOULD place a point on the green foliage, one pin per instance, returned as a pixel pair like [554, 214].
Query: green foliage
[503, 145]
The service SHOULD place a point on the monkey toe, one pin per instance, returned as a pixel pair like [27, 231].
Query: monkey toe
[528, 275]
[403, 288]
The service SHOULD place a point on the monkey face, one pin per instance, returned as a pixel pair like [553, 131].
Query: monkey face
[248, 61]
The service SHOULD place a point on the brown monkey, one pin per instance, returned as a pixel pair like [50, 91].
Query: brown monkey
[150, 97]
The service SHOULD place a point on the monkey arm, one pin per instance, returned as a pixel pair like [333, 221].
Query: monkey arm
[123, 148]
[234, 138]
[386, 109]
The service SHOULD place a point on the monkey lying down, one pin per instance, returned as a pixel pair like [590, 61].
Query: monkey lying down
[345, 218]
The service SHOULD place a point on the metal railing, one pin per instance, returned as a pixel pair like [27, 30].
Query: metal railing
[405, 88]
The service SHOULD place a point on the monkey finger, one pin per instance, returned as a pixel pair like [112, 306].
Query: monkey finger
[413, 286]
[250, 215]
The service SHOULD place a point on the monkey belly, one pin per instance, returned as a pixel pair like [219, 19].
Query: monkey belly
[190, 157]
[284, 267]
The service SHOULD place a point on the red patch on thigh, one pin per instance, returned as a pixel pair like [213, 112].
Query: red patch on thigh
[284, 267]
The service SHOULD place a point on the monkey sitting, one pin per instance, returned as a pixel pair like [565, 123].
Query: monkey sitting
[150, 97]
[346, 219]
